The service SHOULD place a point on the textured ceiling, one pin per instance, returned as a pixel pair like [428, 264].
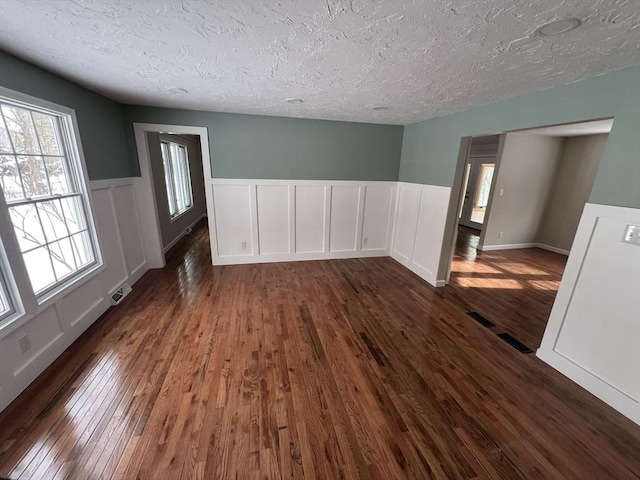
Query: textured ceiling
[422, 59]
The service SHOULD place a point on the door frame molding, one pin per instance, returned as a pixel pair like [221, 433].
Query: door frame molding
[145, 191]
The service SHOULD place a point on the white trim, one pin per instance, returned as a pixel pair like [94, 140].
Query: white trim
[251, 229]
[553, 249]
[506, 246]
[285, 182]
[428, 197]
[515, 246]
[298, 257]
[182, 234]
[548, 351]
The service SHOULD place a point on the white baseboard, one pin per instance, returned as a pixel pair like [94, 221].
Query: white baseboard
[553, 249]
[515, 246]
[591, 382]
[183, 233]
[419, 270]
[506, 246]
[298, 257]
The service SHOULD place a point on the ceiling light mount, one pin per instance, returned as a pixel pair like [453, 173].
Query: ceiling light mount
[558, 27]
[295, 100]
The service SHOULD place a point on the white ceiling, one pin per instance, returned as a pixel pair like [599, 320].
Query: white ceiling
[574, 129]
[422, 59]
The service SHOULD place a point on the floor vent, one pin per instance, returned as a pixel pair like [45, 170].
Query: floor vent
[481, 320]
[120, 293]
[521, 347]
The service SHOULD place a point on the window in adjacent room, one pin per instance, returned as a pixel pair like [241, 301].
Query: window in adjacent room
[45, 194]
[175, 161]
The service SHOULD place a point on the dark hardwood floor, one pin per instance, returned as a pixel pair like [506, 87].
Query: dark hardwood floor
[326, 369]
[514, 289]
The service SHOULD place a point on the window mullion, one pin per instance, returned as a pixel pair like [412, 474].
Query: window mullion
[46, 243]
[13, 150]
[44, 163]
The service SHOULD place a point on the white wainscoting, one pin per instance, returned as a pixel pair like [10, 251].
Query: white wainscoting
[286, 220]
[418, 230]
[593, 332]
[61, 321]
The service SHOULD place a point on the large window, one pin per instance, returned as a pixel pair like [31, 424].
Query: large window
[43, 185]
[177, 178]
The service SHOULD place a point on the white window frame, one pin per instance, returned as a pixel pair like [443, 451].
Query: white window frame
[5, 296]
[170, 174]
[19, 289]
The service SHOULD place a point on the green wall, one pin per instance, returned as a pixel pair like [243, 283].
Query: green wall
[430, 148]
[100, 120]
[252, 146]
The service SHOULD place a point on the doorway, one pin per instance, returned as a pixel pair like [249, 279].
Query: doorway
[515, 214]
[146, 190]
[477, 185]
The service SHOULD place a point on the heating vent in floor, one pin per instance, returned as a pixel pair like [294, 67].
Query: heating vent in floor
[521, 347]
[120, 293]
[481, 320]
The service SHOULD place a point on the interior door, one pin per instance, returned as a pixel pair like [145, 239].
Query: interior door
[476, 187]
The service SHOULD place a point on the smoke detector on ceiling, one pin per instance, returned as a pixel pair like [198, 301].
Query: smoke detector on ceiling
[558, 27]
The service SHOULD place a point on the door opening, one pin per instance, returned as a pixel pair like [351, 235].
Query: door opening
[477, 186]
[513, 214]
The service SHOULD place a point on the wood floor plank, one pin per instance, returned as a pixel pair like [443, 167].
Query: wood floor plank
[345, 369]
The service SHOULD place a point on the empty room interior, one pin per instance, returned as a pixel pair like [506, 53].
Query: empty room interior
[319, 239]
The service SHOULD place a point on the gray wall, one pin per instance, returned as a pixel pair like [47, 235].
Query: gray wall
[525, 171]
[100, 120]
[570, 190]
[173, 229]
[252, 146]
[430, 148]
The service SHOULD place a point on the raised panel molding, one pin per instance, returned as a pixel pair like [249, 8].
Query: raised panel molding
[419, 225]
[273, 219]
[593, 339]
[377, 203]
[291, 220]
[345, 203]
[233, 205]
[310, 218]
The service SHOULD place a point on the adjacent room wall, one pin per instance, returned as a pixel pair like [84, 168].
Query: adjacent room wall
[100, 120]
[173, 230]
[525, 174]
[572, 185]
[261, 147]
[430, 148]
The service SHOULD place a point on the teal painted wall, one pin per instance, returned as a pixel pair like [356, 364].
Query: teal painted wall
[100, 120]
[253, 146]
[430, 148]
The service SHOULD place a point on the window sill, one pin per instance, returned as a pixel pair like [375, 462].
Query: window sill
[173, 219]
